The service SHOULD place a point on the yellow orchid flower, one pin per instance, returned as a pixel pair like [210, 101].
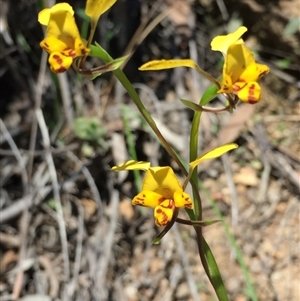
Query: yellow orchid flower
[63, 41]
[161, 190]
[240, 71]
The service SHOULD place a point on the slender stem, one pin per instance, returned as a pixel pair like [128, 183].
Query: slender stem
[89, 42]
[92, 32]
[131, 91]
[193, 156]
[208, 76]
[209, 264]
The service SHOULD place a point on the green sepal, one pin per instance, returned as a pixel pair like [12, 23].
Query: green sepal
[99, 52]
[197, 223]
[191, 105]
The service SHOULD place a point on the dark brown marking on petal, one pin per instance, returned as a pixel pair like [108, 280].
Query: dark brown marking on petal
[61, 69]
[58, 59]
[164, 219]
[161, 200]
[70, 52]
[236, 88]
[251, 95]
[262, 74]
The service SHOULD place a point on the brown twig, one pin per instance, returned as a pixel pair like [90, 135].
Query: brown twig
[24, 203]
[104, 260]
[18, 283]
[232, 190]
[38, 100]
[53, 175]
[53, 279]
[17, 155]
[89, 180]
[73, 284]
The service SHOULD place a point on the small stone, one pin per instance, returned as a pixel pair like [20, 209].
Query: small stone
[182, 291]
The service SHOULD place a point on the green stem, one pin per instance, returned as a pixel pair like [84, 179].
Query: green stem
[131, 147]
[89, 42]
[132, 93]
[99, 52]
[193, 155]
[206, 256]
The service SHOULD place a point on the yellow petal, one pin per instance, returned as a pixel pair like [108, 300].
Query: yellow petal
[217, 152]
[52, 44]
[44, 15]
[95, 8]
[182, 199]
[237, 60]
[161, 180]
[132, 165]
[248, 93]
[226, 86]
[163, 213]
[222, 43]
[59, 63]
[168, 64]
[254, 72]
[62, 25]
[147, 199]
[262, 70]
[80, 48]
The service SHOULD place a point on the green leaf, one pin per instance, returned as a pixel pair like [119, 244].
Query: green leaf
[208, 95]
[292, 27]
[110, 64]
[196, 223]
[191, 105]
[51, 203]
[206, 223]
[214, 273]
[284, 63]
[99, 52]
[88, 129]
